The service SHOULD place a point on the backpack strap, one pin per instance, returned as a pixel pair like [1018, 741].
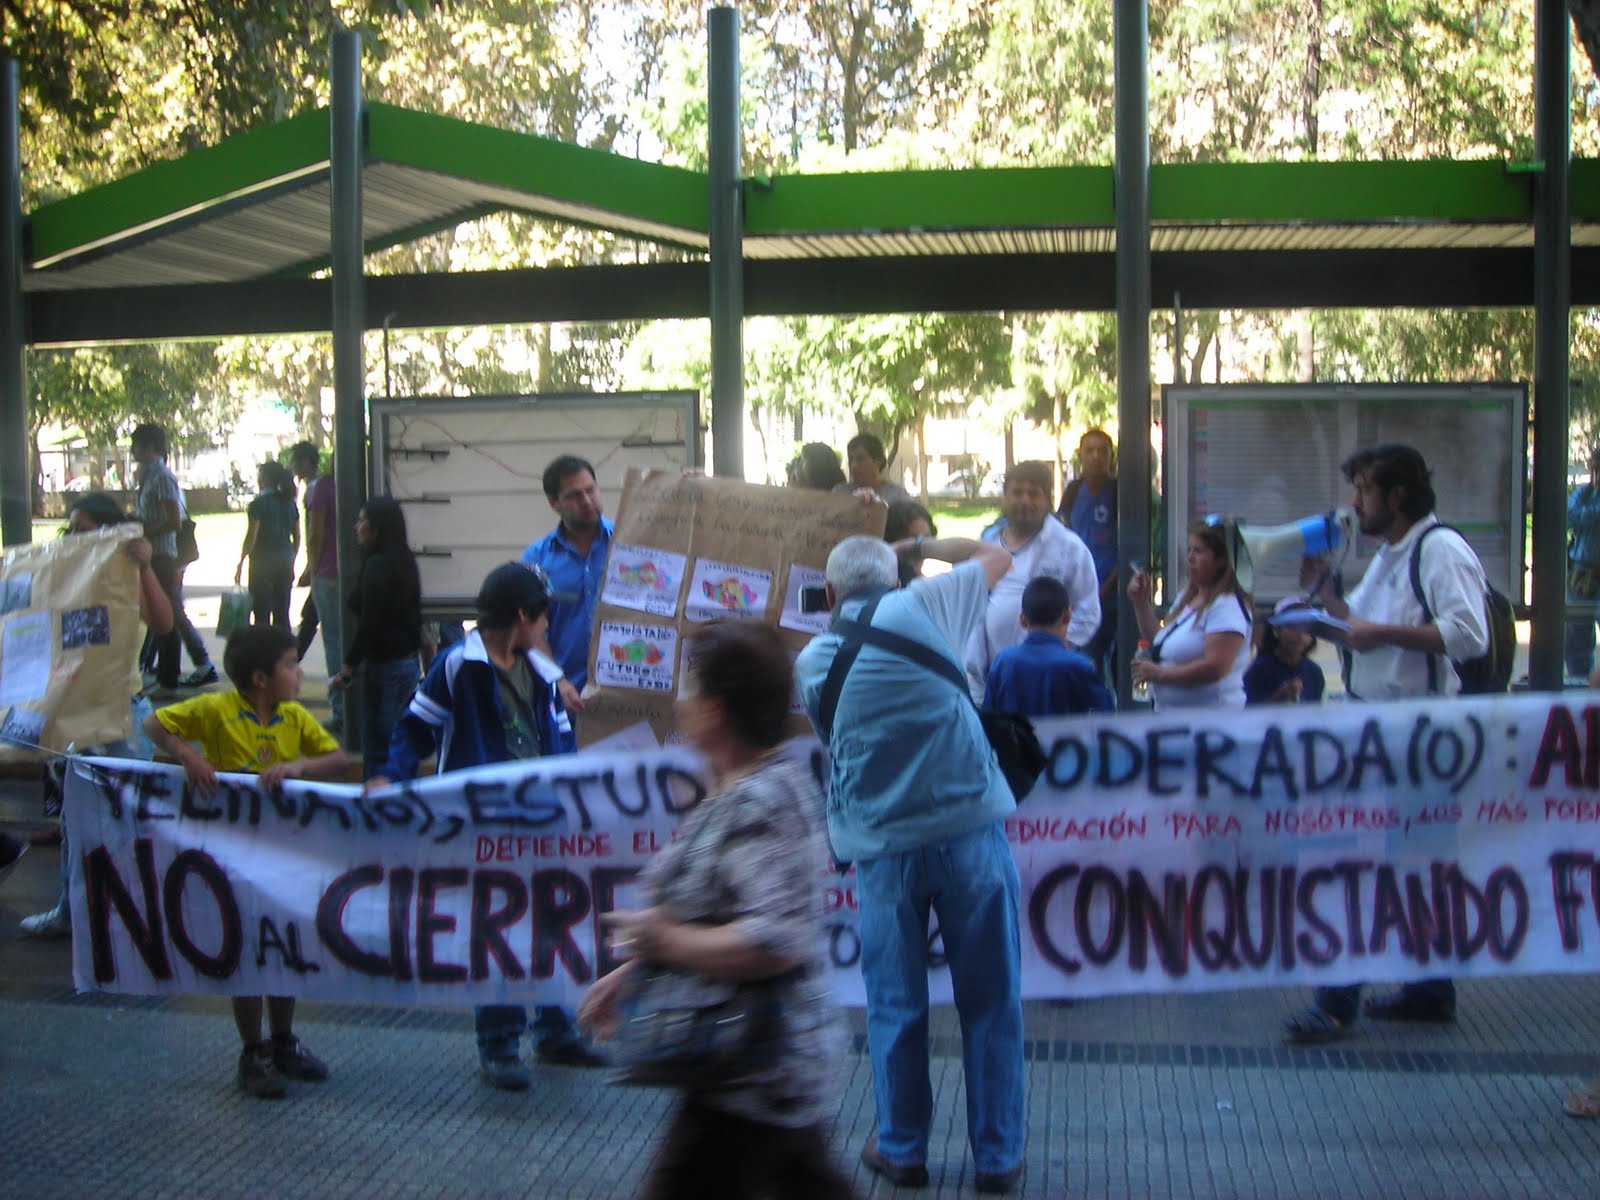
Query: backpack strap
[1069, 497]
[833, 685]
[1416, 589]
[923, 656]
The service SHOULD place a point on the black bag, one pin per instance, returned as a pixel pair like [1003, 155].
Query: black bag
[687, 1031]
[1018, 753]
[1489, 672]
[188, 547]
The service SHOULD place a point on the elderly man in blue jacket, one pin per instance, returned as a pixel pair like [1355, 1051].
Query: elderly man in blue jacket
[918, 804]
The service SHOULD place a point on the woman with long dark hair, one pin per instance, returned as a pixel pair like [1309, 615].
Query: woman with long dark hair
[387, 605]
[1198, 657]
[271, 542]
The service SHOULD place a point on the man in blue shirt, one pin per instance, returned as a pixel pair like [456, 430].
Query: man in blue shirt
[573, 556]
[1040, 676]
[1089, 509]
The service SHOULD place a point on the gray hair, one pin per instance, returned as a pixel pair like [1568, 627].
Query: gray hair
[862, 562]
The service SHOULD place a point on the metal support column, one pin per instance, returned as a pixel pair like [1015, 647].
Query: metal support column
[727, 246]
[1552, 286]
[16, 482]
[1130, 27]
[346, 153]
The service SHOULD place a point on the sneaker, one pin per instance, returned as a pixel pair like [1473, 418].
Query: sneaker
[294, 1061]
[508, 1074]
[257, 1076]
[11, 852]
[201, 676]
[568, 1054]
[56, 923]
[148, 678]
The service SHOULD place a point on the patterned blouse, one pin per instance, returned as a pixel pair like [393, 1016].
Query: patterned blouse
[749, 857]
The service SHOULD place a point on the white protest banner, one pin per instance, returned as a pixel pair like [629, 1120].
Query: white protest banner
[1203, 851]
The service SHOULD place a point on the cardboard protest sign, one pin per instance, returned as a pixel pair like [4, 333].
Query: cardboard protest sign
[690, 550]
[69, 641]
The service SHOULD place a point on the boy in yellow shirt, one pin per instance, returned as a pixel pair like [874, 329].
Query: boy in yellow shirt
[256, 728]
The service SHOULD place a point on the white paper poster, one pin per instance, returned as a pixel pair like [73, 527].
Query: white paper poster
[25, 658]
[644, 578]
[723, 590]
[793, 618]
[636, 656]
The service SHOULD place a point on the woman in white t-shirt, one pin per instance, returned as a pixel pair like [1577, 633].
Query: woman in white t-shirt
[1198, 658]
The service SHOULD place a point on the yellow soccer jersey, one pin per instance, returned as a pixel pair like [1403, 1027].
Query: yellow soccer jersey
[232, 738]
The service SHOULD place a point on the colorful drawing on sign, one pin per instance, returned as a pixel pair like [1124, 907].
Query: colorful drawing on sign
[643, 578]
[636, 656]
[723, 590]
[730, 593]
[791, 617]
[637, 651]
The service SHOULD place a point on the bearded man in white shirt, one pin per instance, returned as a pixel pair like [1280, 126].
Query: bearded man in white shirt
[1397, 652]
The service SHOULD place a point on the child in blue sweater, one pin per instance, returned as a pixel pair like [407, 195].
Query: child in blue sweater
[1039, 676]
[491, 699]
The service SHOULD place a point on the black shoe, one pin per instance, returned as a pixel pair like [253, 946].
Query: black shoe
[998, 1183]
[568, 1054]
[201, 676]
[1313, 1026]
[906, 1177]
[1408, 1006]
[294, 1061]
[506, 1073]
[257, 1076]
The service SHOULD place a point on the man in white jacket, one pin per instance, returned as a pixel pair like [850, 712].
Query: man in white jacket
[1039, 545]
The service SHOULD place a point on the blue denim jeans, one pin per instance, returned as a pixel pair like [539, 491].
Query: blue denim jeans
[971, 883]
[500, 1028]
[386, 690]
[330, 613]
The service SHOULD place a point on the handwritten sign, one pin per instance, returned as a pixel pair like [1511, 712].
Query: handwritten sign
[739, 539]
[1299, 845]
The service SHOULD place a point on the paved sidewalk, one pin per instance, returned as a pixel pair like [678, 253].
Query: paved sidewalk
[1128, 1097]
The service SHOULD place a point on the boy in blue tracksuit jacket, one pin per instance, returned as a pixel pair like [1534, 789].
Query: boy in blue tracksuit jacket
[491, 699]
[1039, 676]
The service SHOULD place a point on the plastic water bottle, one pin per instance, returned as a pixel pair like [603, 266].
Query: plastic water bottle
[1141, 688]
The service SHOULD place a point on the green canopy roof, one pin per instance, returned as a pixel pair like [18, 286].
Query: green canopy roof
[257, 205]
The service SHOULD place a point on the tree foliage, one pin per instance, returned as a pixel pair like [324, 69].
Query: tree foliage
[111, 85]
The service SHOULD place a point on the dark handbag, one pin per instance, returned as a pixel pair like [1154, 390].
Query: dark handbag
[691, 1032]
[1017, 750]
[188, 547]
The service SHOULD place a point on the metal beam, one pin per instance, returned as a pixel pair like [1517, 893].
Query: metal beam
[679, 291]
[16, 484]
[1552, 242]
[1130, 34]
[349, 323]
[727, 245]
